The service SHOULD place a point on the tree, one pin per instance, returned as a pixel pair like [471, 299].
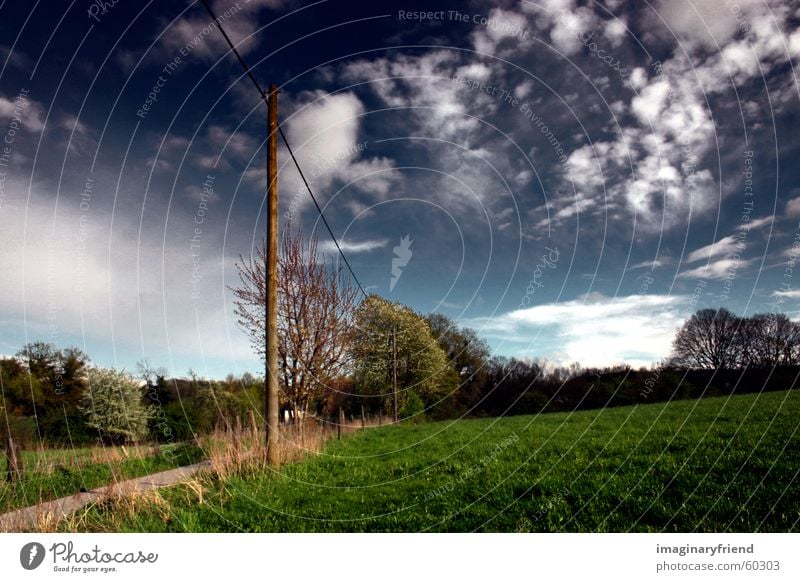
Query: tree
[61, 372]
[147, 371]
[770, 339]
[468, 354]
[113, 404]
[315, 313]
[513, 387]
[422, 366]
[709, 339]
[22, 391]
[41, 359]
[72, 365]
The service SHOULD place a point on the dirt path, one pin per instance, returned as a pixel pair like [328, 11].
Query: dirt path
[29, 517]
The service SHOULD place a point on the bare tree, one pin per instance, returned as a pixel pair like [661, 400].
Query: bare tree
[770, 339]
[316, 305]
[709, 339]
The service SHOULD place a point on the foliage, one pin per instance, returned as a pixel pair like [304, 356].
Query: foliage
[43, 386]
[413, 408]
[469, 357]
[422, 365]
[114, 406]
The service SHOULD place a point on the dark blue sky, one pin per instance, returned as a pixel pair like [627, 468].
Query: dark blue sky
[576, 177]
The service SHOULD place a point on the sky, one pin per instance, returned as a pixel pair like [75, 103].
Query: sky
[570, 178]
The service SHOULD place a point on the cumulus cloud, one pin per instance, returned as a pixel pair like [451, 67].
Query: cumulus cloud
[505, 25]
[199, 35]
[425, 85]
[654, 166]
[595, 330]
[434, 95]
[325, 134]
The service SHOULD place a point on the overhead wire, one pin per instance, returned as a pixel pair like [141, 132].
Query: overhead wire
[264, 97]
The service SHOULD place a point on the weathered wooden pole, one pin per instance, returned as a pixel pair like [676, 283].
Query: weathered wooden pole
[253, 428]
[13, 460]
[271, 273]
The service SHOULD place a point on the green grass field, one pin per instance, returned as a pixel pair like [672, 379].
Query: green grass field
[55, 473]
[718, 464]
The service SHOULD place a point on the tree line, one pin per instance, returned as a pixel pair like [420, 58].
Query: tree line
[378, 355]
[374, 356]
[58, 397]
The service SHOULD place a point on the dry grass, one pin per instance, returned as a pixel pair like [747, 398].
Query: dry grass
[235, 451]
[122, 504]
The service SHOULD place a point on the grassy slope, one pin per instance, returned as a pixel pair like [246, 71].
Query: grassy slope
[717, 464]
[66, 480]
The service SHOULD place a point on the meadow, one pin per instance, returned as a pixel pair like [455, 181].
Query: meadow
[716, 464]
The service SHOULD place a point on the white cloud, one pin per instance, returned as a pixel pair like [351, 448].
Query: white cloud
[651, 168]
[638, 78]
[29, 113]
[88, 278]
[793, 208]
[721, 269]
[652, 264]
[724, 246]
[324, 133]
[425, 84]
[199, 35]
[595, 331]
[353, 247]
[707, 23]
[506, 25]
[567, 25]
[467, 156]
[654, 165]
[651, 102]
[757, 223]
[616, 31]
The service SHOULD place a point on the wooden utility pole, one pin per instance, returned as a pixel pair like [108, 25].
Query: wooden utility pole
[271, 273]
[13, 460]
[394, 372]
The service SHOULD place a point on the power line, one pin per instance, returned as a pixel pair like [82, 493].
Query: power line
[321, 214]
[264, 97]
